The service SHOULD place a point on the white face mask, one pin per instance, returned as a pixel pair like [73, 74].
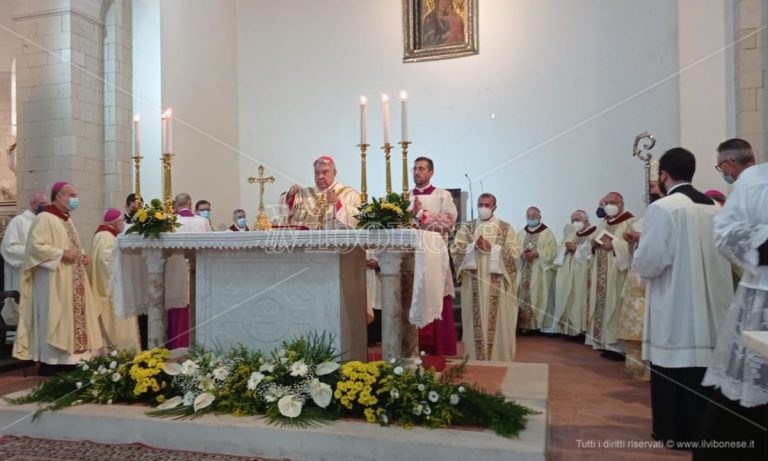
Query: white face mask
[611, 210]
[484, 213]
[577, 226]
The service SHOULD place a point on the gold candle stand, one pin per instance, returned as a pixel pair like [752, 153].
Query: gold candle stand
[167, 159]
[404, 145]
[387, 155]
[363, 174]
[137, 181]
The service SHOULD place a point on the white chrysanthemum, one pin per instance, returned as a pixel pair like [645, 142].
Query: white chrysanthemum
[189, 368]
[290, 406]
[461, 389]
[320, 392]
[392, 361]
[422, 353]
[268, 367]
[454, 399]
[418, 362]
[427, 410]
[421, 387]
[384, 419]
[418, 409]
[102, 369]
[433, 396]
[398, 370]
[221, 373]
[112, 365]
[189, 399]
[299, 368]
[395, 394]
[85, 367]
[254, 380]
[116, 377]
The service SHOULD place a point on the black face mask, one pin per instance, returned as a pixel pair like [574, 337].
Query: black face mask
[39, 209]
[600, 212]
[655, 196]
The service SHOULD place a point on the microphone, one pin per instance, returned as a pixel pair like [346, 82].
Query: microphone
[471, 198]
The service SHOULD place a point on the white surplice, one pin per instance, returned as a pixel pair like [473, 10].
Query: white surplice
[176, 267]
[12, 248]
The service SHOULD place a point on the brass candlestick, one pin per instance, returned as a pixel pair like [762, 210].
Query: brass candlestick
[404, 144]
[363, 174]
[167, 159]
[387, 154]
[262, 222]
[137, 180]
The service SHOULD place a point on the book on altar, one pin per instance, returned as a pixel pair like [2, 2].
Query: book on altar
[604, 233]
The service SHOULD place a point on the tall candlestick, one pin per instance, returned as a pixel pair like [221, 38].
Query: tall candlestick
[363, 174]
[164, 127]
[168, 131]
[403, 116]
[363, 120]
[385, 108]
[136, 135]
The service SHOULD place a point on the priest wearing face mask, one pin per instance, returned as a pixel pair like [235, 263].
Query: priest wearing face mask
[485, 252]
[58, 320]
[535, 275]
[612, 259]
[573, 282]
[239, 222]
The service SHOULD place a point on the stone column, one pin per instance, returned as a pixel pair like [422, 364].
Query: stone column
[399, 339]
[156, 315]
[751, 70]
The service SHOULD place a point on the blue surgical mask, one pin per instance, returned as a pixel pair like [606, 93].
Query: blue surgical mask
[74, 202]
[533, 223]
[39, 209]
[204, 214]
[728, 178]
[241, 223]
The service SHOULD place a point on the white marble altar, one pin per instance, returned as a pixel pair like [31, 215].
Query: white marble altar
[261, 288]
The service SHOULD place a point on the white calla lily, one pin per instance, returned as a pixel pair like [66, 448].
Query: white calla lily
[171, 368]
[320, 392]
[326, 368]
[171, 403]
[203, 400]
[290, 406]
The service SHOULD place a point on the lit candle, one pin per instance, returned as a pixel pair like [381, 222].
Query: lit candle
[363, 120]
[136, 135]
[385, 107]
[404, 116]
[168, 131]
[164, 126]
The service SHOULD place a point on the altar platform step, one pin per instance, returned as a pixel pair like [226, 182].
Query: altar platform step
[342, 440]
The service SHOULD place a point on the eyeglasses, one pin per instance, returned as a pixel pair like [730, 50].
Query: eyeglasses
[718, 167]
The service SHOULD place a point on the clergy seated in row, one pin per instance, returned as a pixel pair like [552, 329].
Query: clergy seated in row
[177, 274]
[536, 275]
[690, 290]
[239, 223]
[434, 210]
[327, 205]
[485, 252]
[612, 259]
[574, 262]
[58, 318]
[121, 334]
[12, 248]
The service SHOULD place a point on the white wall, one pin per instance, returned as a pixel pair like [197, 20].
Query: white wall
[547, 69]
[7, 38]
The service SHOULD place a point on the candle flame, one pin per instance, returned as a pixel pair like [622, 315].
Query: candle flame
[168, 113]
[136, 118]
[363, 100]
[403, 95]
[384, 98]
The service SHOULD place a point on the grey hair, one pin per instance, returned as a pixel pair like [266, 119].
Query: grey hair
[181, 200]
[738, 150]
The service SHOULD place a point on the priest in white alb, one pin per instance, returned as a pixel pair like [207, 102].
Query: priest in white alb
[13, 246]
[574, 261]
[58, 318]
[327, 205]
[485, 252]
[690, 289]
[122, 334]
[538, 248]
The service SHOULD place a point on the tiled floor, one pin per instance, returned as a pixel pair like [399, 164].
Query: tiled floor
[593, 402]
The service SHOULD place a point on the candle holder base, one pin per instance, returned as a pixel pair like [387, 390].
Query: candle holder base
[263, 223]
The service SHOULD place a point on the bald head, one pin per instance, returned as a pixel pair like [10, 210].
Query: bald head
[37, 201]
[580, 215]
[533, 213]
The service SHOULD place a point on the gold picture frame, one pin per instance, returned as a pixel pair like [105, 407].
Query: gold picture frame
[439, 29]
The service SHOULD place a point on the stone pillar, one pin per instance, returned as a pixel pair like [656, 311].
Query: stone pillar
[751, 70]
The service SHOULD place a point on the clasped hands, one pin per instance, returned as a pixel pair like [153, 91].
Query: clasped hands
[70, 257]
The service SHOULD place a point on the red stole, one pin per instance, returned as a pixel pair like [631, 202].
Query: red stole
[541, 228]
[620, 218]
[427, 191]
[107, 228]
[586, 232]
[52, 209]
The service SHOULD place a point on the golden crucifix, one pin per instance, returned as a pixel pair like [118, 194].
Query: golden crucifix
[263, 222]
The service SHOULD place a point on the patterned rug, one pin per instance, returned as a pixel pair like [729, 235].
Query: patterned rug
[28, 449]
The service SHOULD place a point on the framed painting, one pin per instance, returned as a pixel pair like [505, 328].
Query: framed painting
[439, 29]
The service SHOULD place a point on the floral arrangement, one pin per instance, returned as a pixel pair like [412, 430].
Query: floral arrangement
[301, 384]
[152, 220]
[385, 213]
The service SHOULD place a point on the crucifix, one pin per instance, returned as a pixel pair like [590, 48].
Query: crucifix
[263, 222]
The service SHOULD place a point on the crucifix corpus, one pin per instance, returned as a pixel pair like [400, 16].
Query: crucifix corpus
[262, 222]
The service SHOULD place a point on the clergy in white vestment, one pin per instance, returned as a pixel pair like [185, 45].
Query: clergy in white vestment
[612, 259]
[739, 406]
[58, 318]
[12, 248]
[574, 262]
[689, 290]
[328, 205]
[122, 334]
[434, 210]
[485, 252]
[177, 274]
[537, 273]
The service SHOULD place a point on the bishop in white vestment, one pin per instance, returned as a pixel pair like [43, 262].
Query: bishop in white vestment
[536, 275]
[690, 289]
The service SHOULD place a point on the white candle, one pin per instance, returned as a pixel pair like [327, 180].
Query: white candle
[404, 116]
[136, 135]
[385, 107]
[168, 132]
[363, 120]
[164, 126]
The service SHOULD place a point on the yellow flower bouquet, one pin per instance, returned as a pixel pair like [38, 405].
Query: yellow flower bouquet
[390, 212]
[152, 220]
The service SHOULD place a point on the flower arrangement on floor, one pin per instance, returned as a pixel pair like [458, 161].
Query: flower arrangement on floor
[301, 384]
[386, 213]
[152, 220]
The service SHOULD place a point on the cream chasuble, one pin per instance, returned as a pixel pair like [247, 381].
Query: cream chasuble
[488, 294]
[535, 278]
[58, 320]
[573, 282]
[309, 208]
[609, 272]
[122, 334]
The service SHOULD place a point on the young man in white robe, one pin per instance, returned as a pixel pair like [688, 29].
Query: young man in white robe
[121, 334]
[612, 259]
[690, 289]
[572, 282]
[328, 205]
[535, 275]
[12, 248]
[485, 252]
[739, 407]
[58, 318]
